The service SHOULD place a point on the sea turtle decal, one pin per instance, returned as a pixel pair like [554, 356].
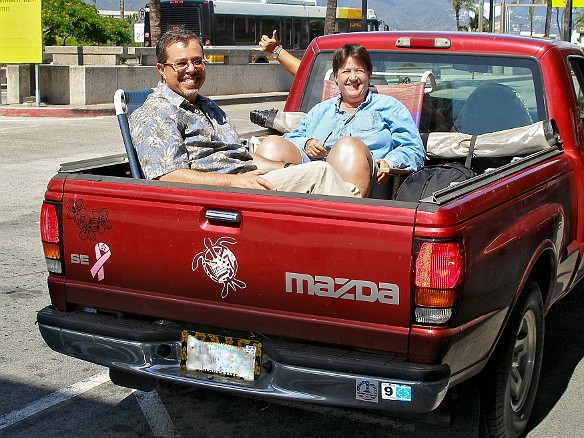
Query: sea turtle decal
[220, 264]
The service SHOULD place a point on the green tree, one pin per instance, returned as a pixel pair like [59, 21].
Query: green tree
[578, 18]
[72, 22]
[475, 22]
[457, 5]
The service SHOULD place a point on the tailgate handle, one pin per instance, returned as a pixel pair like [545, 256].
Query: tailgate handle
[230, 217]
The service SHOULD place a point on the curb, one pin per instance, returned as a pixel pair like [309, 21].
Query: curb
[106, 110]
[56, 112]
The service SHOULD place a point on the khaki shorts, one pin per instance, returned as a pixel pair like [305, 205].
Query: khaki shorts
[316, 177]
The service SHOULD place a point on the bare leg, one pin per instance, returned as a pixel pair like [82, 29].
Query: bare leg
[277, 148]
[351, 158]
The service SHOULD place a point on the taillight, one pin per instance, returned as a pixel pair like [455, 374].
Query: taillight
[50, 236]
[438, 275]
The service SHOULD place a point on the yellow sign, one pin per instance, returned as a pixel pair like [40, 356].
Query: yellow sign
[350, 13]
[21, 39]
[562, 3]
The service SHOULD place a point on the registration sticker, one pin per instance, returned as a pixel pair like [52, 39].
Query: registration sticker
[221, 355]
[394, 391]
[366, 390]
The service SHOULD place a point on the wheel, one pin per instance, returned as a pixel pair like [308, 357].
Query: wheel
[509, 383]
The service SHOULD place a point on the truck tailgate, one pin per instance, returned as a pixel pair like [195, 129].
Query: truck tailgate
[321, 268]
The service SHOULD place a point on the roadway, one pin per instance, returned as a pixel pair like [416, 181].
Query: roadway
[47, 395]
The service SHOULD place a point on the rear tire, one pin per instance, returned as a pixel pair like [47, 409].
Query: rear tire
[509, 383]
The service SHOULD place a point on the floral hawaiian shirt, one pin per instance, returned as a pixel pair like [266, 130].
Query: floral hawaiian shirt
[169, 133]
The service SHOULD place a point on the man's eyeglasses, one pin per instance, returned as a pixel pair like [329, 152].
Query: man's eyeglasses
[182, 66]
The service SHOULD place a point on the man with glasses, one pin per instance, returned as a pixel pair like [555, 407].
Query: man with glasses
[182, 136]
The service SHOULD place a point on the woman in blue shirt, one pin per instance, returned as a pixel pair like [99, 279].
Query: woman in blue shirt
[357, 132]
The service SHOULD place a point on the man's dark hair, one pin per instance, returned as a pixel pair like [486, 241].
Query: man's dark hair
[172, 37]
[356, 51]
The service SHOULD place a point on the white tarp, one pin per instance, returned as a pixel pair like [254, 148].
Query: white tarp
[514, 142]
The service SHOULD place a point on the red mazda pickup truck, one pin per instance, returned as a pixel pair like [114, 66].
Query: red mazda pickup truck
[371, 303]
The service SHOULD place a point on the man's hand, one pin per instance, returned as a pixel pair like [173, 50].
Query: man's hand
[268, 44]
[250, 180]
[315, 148]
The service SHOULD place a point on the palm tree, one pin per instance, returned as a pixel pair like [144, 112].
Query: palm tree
[548, 18]
[457, 5]
[154, 21]
[330, 17]
[567, 34]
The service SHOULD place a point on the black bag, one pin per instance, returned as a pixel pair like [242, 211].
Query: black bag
[427, 180]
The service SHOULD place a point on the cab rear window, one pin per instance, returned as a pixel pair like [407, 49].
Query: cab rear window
[471, 94]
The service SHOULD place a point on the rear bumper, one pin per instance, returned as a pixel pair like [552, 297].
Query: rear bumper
[290, 370]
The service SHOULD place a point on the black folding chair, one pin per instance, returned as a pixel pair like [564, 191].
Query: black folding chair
[125, 102]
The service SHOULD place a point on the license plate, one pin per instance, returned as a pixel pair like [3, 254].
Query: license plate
[221, 355]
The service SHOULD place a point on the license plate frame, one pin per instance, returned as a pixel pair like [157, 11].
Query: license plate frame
[218, 355]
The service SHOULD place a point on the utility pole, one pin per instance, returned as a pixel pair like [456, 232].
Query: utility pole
[503, 18]
[363, 15]
[567, 36]
[492, 16]
[122, 9]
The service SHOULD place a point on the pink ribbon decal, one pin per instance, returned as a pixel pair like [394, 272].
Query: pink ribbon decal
[102, 253]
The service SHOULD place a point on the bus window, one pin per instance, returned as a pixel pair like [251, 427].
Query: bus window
[267, 26]
[286, 38]
[295, 29]
[224, 31]
[300, 33]
[244, 30]
[315, 28]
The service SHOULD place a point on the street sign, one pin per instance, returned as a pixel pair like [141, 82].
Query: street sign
[141, 13]
[21, 32]
[138, 32]
[562, 3]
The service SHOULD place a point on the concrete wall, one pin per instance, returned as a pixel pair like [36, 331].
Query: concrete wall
[116, 55]
[99, 55]
[20, 83]
[87, 85]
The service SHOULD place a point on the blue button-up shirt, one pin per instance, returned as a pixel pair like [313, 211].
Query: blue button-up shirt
[382, 122]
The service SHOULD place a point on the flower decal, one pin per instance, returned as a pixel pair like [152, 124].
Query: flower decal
[89, 224]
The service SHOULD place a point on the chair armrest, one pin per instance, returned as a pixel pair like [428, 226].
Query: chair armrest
[397, 176]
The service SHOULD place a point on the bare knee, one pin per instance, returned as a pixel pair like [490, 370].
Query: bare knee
[278, 148]
[352, 159]
[352, 149]
[351, 154]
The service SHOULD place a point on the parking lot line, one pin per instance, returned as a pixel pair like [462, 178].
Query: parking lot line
[53, 399]
[156, 414]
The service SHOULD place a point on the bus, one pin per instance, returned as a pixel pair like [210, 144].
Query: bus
[239, 23]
